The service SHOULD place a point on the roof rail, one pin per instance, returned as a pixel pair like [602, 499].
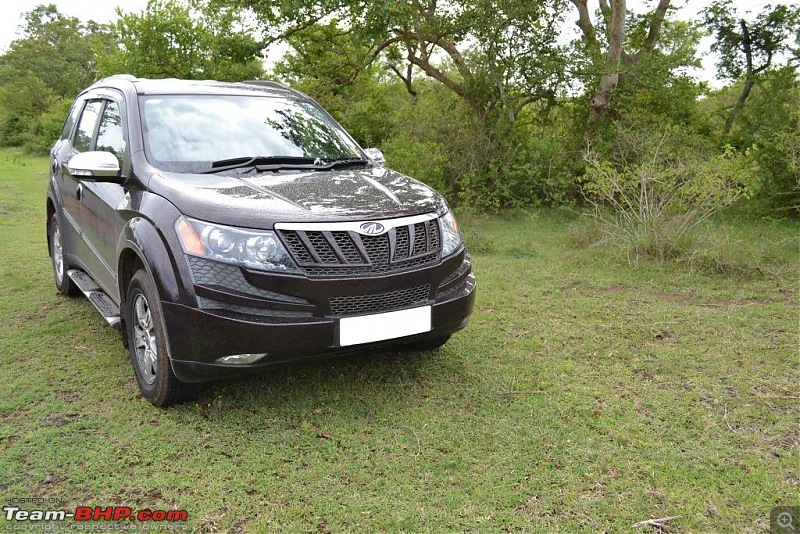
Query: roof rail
[128, 77]
[266, 83]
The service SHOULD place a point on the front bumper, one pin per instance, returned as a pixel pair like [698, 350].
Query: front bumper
[199, 337]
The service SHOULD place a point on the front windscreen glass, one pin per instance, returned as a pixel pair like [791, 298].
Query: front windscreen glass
[187, 133]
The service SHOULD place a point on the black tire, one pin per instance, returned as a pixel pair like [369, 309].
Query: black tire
[58, 257]
[147, 342]
[430, 344]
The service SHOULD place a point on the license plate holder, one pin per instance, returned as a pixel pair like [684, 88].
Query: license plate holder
[383, 326]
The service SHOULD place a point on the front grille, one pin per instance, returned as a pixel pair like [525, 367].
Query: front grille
[345, 253]
[391, 300]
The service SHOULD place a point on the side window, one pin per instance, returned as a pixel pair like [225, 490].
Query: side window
[110, 137]
[83, 135]
[74, 111]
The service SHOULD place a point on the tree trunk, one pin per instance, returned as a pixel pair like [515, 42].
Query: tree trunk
[748, 77]
[614, 16]
[610, 78]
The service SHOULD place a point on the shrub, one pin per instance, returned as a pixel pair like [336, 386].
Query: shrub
[650, 207]
[45, 129]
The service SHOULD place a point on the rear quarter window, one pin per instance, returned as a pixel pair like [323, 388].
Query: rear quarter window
[74, 111]
[82, 141]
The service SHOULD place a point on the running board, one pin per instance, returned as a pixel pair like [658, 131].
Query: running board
[107, 308]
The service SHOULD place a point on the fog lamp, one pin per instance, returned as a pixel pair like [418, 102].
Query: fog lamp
[240, 359]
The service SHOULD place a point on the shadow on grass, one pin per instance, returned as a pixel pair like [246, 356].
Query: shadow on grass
[352, 386]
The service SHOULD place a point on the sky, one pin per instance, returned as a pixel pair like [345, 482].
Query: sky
[105, 11]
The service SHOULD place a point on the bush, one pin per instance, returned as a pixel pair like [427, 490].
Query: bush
[650, 207]
[45, 129]
[423, 160]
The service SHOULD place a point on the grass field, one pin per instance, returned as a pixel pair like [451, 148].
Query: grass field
[584, 396]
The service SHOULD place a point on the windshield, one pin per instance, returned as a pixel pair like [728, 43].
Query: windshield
[187, 133]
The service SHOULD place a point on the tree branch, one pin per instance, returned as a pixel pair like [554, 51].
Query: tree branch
[654, 33]
[406, 79]
[449, 47]
[587, 28]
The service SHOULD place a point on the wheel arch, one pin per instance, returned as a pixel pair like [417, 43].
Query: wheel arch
[129, 262]
[142, 245]
[50, 211]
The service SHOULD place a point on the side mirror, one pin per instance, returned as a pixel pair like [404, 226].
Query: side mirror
[98, 166]
[375, 156]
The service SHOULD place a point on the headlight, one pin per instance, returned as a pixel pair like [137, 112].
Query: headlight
[451, 237]
[254, 249]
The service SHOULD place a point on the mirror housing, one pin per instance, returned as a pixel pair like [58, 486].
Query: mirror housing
[96, 166]
[375, 156]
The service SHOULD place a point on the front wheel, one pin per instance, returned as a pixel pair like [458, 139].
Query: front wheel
[58, 255]
[147, 344]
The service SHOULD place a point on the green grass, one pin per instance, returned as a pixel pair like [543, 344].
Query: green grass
[584, 396]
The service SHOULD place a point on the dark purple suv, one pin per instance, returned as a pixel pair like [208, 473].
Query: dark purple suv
[229, 227]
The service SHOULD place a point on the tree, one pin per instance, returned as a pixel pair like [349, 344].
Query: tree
[617, 57]
[184, 39]
[748, 48]
[497, 56]
[50, 63]
[54, 48]
[329, 63]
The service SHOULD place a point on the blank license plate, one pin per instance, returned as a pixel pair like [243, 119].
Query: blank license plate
[381, 326]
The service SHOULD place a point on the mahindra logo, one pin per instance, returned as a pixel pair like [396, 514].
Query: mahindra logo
[371, 228]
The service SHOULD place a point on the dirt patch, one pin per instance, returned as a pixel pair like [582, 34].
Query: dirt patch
[60, 419]
[66, 395]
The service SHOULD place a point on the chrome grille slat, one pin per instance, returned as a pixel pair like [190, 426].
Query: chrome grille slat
[323, 253]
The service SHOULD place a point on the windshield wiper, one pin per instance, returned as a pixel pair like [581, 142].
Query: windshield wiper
[256, 161]
[356, 162]
[276, 163]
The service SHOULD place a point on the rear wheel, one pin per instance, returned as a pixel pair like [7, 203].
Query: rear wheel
[64, 283]
[147, 342]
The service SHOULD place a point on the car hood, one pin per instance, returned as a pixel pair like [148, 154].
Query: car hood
[259, 200]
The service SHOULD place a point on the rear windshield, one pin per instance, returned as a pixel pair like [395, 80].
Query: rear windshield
[187, 133]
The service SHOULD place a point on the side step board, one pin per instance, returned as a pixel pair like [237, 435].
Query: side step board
[96, 296]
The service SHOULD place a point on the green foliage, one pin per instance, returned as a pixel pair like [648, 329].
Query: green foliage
[46, 127]
[500, 56]
[329, 64]
[188, 39]
[56, 49]
[769, 128]
[650, 206]
[50, 63]
[749, 49]
[470, 97]
[656, 87]
[763, 38]
[424, 160]
[21, 101]
[529, 168]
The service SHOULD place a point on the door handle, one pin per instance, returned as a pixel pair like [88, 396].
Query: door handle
[79, 192]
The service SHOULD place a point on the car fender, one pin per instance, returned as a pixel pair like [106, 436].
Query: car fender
[150, 235]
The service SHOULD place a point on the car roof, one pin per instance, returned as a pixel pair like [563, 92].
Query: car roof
[174, 86]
